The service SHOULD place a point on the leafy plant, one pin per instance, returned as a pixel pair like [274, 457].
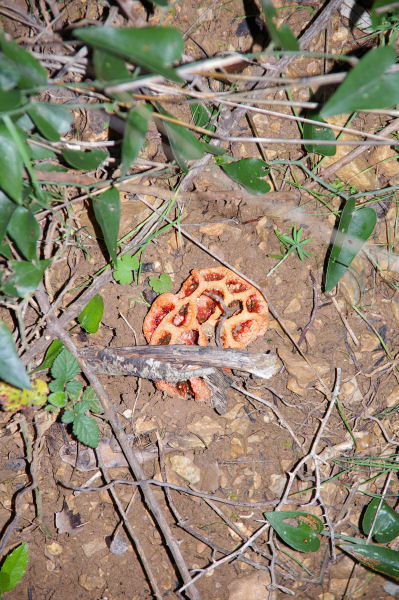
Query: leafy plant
[302, 531]
[66, 394]
[248, 172]
[319, 132]
[13, 568]
[160, 284]
[290, 244]
[354, 229]
[11, 368]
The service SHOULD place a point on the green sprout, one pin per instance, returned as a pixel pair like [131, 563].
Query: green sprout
[290, 245]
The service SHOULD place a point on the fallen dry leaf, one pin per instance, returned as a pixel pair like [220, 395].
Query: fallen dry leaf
[67, 522]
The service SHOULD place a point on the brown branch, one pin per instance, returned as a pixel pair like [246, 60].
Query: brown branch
[176, 363]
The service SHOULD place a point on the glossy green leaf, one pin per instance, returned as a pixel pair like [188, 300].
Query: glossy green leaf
[183, 143]
[58, 399]
[8, 74]
[25, 278]
[30, 71]
[354, 229]
[7, 207]
[386, 526]
[91, 315]
[10, 100]
[134, 136]
[12, 370]
[65, 366]
[86, 161]
[378, 558]
[124, 267]
[367, 86]
[5, 250]
[318, 132]
[86, 430]
[25, 231]
[51, 354]
[109, 67]
[283, 37]
[107, 210]
[51, 120]
[10, 166]
[154, 48]
[304, 536]
[13, 568]
[247, 172]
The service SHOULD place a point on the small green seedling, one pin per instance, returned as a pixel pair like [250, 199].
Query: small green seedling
[66, 394]
[290, 245]
[125, 267]
[160, 284]
[13, 569]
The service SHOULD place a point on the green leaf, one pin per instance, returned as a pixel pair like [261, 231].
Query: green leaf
[10, 100]
[154, 48]
[13, 568]
[51, 120]
[37, 152]
[10, 166]
[318, 132]
[124, 267]
[73, 389]
[160, 284]
[12, 370]
[68, 417]
[89, 395]
[25, 231]
[82, 407]
[109, 67]
[51, 354]
[355, 227]
[86, 430]
[25, 278]
[5, 250]
[107, 210]
[7, 207]
[86, 161]
[134, 136]
[183, 143]
[8, 75]
[57, 385]
[283, 38]
[386, 526]
[58, 399]
[30, 71]
[367, 86]
[381, 18]
[65, 366]
[91, 315]
[378, 558]
[304, 536]
[201, 114]
[247, 172]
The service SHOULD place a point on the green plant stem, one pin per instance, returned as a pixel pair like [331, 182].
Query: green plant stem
[298, 163]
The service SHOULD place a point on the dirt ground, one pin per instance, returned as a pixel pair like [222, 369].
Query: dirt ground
[244, 455]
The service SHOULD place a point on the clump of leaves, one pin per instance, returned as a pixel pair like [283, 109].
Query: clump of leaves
[67, 395]
[13, 569]
[160, 284]
[290, 245]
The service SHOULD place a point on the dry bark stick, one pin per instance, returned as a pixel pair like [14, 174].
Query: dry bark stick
[176, 363]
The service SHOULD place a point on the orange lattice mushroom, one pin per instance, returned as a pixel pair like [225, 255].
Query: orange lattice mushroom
[204, 298]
